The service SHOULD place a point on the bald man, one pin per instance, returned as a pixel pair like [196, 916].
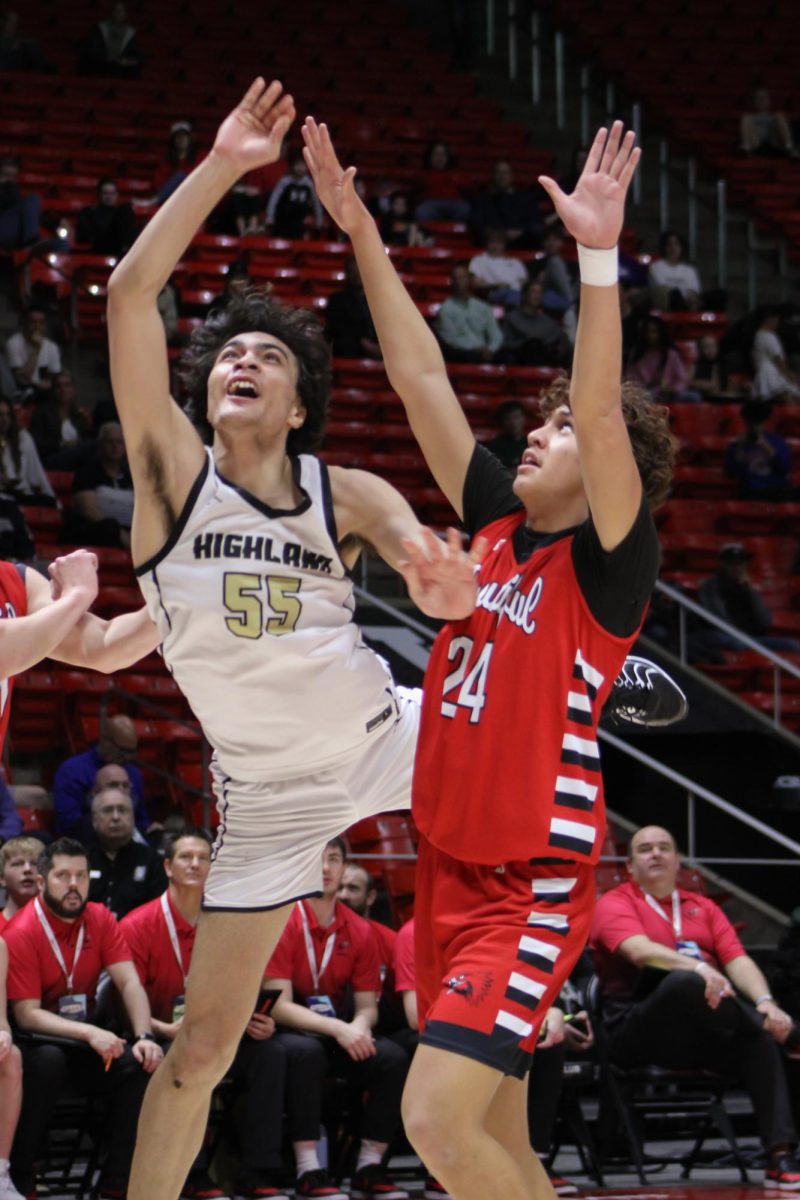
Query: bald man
[680, 992]
[75, 779]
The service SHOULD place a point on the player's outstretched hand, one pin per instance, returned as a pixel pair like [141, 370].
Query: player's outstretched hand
[75, 572]
[594, 213]
[440, 576]
[334, 184]
[252, 134]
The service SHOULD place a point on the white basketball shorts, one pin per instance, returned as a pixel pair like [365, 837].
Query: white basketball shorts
[271, 835]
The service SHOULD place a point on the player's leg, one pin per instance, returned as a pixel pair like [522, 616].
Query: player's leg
[446, 1108]
[228, 961]
[507, 1122]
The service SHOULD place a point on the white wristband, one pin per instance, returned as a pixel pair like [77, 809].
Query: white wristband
[598, 267]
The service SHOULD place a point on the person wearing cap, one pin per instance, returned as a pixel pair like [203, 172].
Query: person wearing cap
[759, 460]
[730, 595]
[178, 161]
[680, 992]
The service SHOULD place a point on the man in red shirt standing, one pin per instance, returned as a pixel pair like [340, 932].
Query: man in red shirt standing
[19, 871]
[680, 991]
[161, 936]
[325, 951]
[57, 947]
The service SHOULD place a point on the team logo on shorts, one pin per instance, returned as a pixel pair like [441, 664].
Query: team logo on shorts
[474, 989]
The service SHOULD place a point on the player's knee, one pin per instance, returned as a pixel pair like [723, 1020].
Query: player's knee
[431, 1130]
[11, 1066]
[201, 1054]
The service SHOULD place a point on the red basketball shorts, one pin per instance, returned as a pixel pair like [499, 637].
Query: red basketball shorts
[494, 947]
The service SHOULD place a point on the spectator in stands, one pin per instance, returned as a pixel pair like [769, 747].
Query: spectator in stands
[293, 210]
[730, 595]
[10, 1086]
[75, 778]
[466, 326]
[441, 198]
[512, 441]
[774, 380]
[348, 323]
[569, 182]
[112, 48]
[680, 991]
[107, 227]
[760, 461]
[124, 873]
[57, 1000]
[560, 288]
[180, 157]
[19, 871]
[765, 132]
[168, 311]
[34, 359]
[531, 338]
[709, 375]
[657, 365]
[17, 52]
[397, 224]
[320, 1035]
[674, 283]
[358, 892]
[10, 820]
[161, 937]
[504, 206]
[21, 472]
[102, 494]
[59, 426]
[497, 276]
[20, 215]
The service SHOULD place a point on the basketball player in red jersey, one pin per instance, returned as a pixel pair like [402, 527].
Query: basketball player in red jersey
[40, 619]
[507, 785]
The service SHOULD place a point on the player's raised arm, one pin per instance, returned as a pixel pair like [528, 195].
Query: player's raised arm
[593, 214]
[164, 452]
[411, 353]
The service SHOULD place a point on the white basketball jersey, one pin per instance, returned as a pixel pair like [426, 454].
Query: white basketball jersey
[255, 611]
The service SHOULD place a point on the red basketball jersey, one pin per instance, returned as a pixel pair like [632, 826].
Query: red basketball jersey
[507, 764]
[13, 603]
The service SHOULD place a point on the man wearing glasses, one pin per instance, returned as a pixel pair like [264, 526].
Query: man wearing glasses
[75, 778]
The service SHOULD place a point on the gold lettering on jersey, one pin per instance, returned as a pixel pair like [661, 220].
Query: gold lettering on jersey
[517, 606]
[264, 549]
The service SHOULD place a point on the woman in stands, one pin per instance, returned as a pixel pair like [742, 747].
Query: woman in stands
[507, 790]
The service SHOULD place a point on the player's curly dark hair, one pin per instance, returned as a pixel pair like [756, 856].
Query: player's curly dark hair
[256, 311]
[654, 447]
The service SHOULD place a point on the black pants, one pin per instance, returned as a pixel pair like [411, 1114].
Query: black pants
[259, 1074]
[48, 1069]
[544, 1093]
[674, 1027]
[312, 1058]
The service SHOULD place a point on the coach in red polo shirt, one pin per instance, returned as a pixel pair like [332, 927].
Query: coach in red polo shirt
[326, 953]
[161, 937]
[57, 946]
[680, 991]
[358, 892]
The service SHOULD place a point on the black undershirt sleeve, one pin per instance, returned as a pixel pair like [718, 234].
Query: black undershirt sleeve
[488, 493]
[617, 584]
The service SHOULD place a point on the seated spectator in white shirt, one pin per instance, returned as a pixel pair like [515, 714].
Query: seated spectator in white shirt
[33, 357]
[466, 326]
[674, 283]
[497, 276]
[774, 380]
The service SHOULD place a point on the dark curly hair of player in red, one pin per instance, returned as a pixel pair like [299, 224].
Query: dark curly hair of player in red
[256, 311]
[654, 447]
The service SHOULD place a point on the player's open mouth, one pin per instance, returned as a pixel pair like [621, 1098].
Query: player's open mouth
[244, 388]
[529, 459]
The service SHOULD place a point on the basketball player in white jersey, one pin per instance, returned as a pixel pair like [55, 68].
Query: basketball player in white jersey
[241, 551]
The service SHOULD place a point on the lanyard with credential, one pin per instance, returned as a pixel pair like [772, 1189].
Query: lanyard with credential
[54, 946]
[677, 923]
[173, 935]
[316, 972]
